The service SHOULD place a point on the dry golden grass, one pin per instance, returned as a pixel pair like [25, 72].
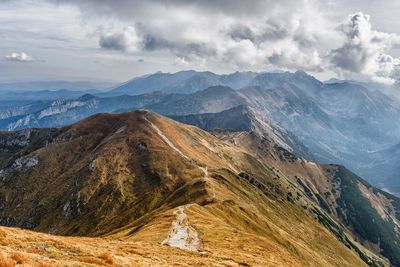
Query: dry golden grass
[6, 261]
[19, 258]
[2, 234]
[232, 234]
[133, 189]
[36, 250]
[46, 264]
[89, 259]
[108, 258]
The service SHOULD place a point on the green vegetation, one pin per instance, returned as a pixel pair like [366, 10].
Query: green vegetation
[305, 188]
[323, 203]
[395, 200]
[338, 231]
[358, 213]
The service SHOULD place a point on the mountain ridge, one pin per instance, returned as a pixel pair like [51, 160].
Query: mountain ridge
[237, 182]
[328, 119]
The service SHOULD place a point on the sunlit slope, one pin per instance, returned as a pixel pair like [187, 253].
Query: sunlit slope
[155, 191]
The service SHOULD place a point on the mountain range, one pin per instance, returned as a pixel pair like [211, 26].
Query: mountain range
[35, 86]
[336, 122]
[191, 168]
[138, 188]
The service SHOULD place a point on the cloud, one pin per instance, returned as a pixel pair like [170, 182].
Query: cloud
[218, 35]
[127, 40]
[125, 9]
[262, 35]
[224, 34]
[364, 51]
[19, 57]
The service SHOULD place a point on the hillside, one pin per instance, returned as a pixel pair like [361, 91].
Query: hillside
[243, 118]
[61, 112]
[144, 186]
[339, 122]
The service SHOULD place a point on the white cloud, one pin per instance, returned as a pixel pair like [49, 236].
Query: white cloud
[20, 57]
[223, 34]
[364, 51]
[218, 35]
[263, 35]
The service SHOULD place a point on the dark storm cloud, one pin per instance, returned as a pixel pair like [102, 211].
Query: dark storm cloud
[113, 42]
[242, 32]
[132, 40]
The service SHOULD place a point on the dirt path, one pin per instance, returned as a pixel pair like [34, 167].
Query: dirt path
[182, 235]
[207, 178]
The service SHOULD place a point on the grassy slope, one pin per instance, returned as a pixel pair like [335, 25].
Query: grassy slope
[136, 181]
[358, 213]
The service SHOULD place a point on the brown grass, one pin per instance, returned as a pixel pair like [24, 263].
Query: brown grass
[90, 259]
[3, 233]
[19, 258]
[5, 261]
[242, 226]
[46, 264]
[107, 257]
[35, 250]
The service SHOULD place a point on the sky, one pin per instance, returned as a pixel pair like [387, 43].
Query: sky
[115, 40]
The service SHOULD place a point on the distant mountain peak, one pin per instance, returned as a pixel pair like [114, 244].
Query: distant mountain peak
[301, 73]
[305, 75]
[188, 81]
[218, 88]
[87, 97]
